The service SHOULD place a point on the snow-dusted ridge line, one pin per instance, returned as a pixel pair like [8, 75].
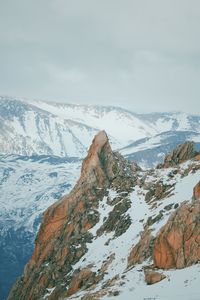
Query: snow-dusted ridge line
[40, 127]
[97, 106]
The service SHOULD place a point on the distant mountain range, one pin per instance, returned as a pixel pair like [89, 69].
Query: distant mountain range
[66, 130]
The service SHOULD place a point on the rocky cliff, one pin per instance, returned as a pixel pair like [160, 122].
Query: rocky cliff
[180, 154]
[178, 243]
[63, 234]
[117, 227]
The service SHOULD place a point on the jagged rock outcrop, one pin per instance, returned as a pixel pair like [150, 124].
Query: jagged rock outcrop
[84, 277]
[179, 155]
[63, 234]
[178, 243]
[142, 250]
[158, 191]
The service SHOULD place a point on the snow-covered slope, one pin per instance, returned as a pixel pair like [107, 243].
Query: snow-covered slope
[38, 127]
[27, 130]
[28, 185]
[121, 282]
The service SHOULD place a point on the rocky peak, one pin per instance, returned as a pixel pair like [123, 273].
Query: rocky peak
[64, 232]
[97, 166]
[179, 155]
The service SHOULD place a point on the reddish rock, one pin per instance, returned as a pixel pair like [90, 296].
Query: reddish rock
[196, 191]
[152, 277]
[177, 244]
[180, 154]
[142, 250]
[63, 235]
[79, 280]
[99, 156]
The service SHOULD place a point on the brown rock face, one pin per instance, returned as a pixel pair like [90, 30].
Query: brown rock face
[152, 277]
[98, 165]
[196, 191]
[180, 154]
[80, 278]
[63, 234]
[142, 250]
[178, 242]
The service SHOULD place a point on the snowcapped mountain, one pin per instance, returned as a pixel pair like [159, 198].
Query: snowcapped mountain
[38, 127]
[28, 186]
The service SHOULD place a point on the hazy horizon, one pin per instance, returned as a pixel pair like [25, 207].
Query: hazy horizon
[95, 105]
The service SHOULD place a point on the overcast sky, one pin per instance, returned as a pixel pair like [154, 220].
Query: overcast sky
[143, 55]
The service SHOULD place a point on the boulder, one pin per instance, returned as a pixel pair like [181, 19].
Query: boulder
[152, 277]
[177, 245]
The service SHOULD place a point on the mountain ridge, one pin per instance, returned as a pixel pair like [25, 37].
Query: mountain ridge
[36, 127]
[38, 180]
[116, 205]
[27, 100]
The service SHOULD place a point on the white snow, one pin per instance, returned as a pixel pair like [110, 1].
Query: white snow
[31, 187]
[128, 126]
[179, 284]
[149, 144]
[68, 130]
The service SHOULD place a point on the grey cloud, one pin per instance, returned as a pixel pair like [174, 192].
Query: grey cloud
[144, 55]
